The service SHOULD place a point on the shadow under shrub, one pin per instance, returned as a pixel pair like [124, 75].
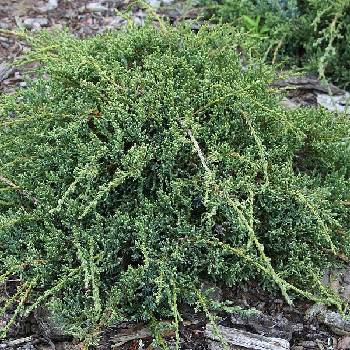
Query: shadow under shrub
[151, 161]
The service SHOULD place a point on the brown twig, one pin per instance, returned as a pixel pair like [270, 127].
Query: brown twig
[199, 151]
[196, 146]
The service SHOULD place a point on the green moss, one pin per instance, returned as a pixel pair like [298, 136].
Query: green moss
[152, 160]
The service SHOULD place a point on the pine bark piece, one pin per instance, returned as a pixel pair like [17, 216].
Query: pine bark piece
[308, 83]
[336, 322]
[136, 332]
[242, 339]
[276, 326]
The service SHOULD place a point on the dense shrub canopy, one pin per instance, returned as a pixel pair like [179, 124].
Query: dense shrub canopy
[144, 162]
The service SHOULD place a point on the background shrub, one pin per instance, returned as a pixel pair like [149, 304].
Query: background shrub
[313, 34]
[152, 160]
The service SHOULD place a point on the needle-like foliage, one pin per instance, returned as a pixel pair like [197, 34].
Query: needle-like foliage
[146, 161]
[313, 34]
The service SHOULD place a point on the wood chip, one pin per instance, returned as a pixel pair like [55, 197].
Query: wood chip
[238, 338]
[136, 332]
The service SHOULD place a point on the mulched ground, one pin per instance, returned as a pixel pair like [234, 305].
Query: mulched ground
[299, 324]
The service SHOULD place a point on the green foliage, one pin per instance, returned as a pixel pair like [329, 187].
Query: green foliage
[254, 27]
[312, 33]
[153, 160]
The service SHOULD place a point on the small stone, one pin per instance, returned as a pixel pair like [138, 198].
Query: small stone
[5, 43]
[27, 347]
[154, 3]
[95, 7]
[335, 322]
[4, 25]
[5, 72]
[334, 103]
[35, 23]
[343, 343]
[338, 324]
[50, 6]
[70, 13]
[308, 344]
